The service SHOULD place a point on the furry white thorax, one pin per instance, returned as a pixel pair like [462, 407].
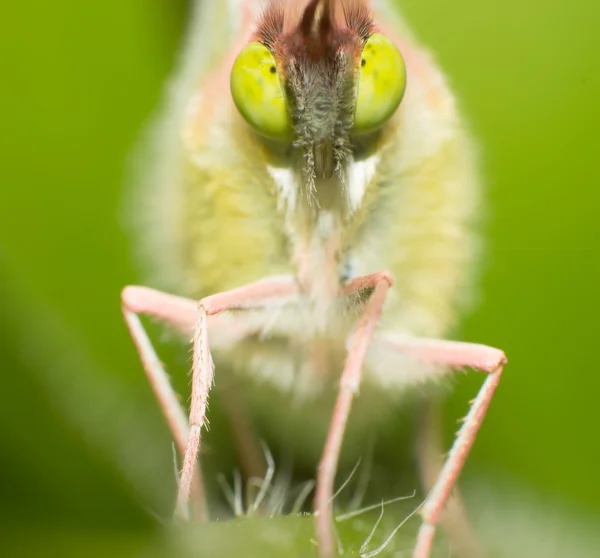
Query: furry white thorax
[315, 249]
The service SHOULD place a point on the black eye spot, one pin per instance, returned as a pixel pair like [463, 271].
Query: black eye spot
[272, 69]
[363, 62]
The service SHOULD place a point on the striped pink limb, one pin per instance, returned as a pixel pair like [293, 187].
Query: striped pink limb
[378, 284]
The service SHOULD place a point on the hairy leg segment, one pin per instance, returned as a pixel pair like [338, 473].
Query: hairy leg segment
[451, 355]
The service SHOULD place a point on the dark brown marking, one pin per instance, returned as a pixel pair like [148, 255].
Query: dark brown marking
[317, 33]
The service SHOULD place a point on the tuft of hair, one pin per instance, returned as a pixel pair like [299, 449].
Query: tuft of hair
[358, 18]
[270, 25]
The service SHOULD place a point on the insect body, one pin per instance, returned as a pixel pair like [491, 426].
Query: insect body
[304, 168]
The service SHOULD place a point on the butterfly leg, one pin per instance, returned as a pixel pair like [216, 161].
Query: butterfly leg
[462, 537]
[452, 355]
[180, 313]
[350, 379]
[253, 295]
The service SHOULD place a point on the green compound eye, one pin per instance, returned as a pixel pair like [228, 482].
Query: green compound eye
[381, 84]
[257, 92]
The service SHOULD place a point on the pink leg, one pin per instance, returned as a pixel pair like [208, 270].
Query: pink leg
[180, 313]
[450, 355]
[255, 294]
[349, 385]
[430, 450]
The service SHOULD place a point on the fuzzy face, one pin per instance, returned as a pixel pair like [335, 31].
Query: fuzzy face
[318, 60]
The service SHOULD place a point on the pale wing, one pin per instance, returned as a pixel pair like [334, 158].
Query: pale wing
[153, 206]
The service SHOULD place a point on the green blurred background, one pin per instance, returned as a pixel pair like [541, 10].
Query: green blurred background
[82, 444]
